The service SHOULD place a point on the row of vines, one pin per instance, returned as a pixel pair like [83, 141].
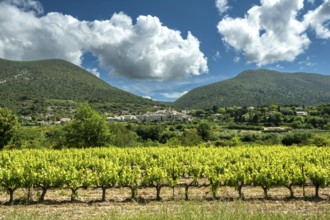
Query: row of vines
[136, 168]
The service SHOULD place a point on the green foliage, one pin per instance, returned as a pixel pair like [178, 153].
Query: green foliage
[327, 126]
[190, 137]
[260, 87]
[262, 139]
[88, 129]
[244, 127]
[29, 137]
[299, 138]
[204, 130]
[122, 137]
[320, 141]
[8, 125]
[26, 85]
[266, 167]
[150, 132]
[232, 142]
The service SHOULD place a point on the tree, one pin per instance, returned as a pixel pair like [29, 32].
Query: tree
[88, 129]
[122, 136]
[190, 138]
[256, 119]
[204, 131]
[327, 126]
[215, 109]
[8, 124]
[296, 138]
[151, 132]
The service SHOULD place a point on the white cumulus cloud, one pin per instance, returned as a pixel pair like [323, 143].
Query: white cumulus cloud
[26, 5]
[174, 95]
[268, 33]
[144, 50]
[222, 6]
[318, 19]
[24, 36]
[147, 49]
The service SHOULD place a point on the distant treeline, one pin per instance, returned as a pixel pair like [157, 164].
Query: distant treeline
[219, 126]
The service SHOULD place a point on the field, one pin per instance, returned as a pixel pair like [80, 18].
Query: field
[166, 183]
[57, 205]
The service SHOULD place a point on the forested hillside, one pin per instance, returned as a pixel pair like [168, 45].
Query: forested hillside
[22, 83]
[260, 87]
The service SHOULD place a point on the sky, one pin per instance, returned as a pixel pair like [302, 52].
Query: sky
[163, 49]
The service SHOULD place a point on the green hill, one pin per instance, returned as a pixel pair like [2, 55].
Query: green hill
[23, 82]
[260, 87]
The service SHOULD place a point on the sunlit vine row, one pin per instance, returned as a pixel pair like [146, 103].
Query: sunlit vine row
[136, 168]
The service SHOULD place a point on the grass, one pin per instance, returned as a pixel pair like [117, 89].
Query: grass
[229, 210]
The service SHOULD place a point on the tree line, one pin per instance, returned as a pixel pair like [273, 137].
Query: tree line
[219, 127]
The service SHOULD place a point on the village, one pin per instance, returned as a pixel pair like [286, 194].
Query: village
[157, 116]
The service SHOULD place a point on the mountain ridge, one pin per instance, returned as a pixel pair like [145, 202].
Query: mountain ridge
[260, 87]
[60, 80]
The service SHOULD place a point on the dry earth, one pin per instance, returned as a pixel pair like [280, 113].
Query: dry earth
[118, 205]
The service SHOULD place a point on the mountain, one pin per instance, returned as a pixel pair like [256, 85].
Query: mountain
[260, 87]
[23, 82]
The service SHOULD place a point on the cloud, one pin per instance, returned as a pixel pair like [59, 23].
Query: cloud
[148, 50]
[26, 5]
[268, 33]
[307, 62]
[145, 50]
[222, 6]
[216, 56]
[94, 71]
[318, 20]
[156, 89]
[174, 95]
[278, 66]
[24, 36]
[147, 97]
[236, 59]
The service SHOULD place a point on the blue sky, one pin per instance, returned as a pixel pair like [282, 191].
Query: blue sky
[162, 49]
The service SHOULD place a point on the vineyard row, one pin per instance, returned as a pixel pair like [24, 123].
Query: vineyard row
[136, 168]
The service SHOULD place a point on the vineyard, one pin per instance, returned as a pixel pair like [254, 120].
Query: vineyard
[137, 168]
